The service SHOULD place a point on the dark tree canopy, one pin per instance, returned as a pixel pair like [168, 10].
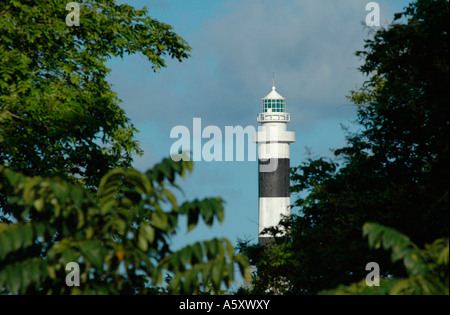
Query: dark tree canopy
[58, 114]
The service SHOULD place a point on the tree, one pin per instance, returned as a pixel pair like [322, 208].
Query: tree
[395, 171]
[427, 268]
[58, 114]
[119, 236]
[67, 194]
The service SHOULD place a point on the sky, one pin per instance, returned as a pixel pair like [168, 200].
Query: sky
[237, 46]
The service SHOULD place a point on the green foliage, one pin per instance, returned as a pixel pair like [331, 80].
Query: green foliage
[120, 236]
[60, 119]
[394, 170]
[58, 114]
[427, 268]
[271, 276]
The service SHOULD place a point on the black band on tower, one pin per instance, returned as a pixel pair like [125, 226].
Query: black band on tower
[276, 183]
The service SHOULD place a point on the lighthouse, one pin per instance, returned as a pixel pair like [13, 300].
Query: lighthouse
[273, 141]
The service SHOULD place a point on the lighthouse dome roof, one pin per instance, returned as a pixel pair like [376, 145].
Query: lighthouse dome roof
[273, 95]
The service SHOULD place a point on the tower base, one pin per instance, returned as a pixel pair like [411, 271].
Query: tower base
[265, 240]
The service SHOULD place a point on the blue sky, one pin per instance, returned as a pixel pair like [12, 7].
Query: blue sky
[236, 46]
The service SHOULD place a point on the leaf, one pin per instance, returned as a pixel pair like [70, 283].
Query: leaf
[12, 278]
[139, 181]
[148, 232]
[212, 248]
[400, 245]
[187, 282]
[243, 264]
[185, 256]
[193, 214]
[142, 243]
[109, 183]
[207, 211]
[159, 220]
[228, 274]
[170, 196]
[198, 253]
[206, 271]
[39, 204]
[5, 245]
[443, 257]
[220, 212]
[157, 275]
[217, 272]
[94, 252]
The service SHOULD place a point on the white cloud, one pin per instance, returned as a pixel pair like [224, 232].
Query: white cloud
[309, 45]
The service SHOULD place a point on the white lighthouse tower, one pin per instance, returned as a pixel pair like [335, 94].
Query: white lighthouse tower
[273, 141]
